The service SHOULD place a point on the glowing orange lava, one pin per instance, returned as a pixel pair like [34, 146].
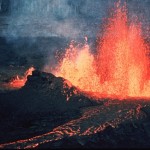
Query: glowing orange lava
[120, 67]
[19, 82]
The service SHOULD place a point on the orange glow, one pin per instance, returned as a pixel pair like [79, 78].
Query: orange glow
[120, 67]
[19, 82]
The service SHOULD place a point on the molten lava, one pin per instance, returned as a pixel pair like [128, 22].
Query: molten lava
[120, 67]
[19, 82]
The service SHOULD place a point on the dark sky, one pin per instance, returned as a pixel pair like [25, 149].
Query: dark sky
[68, 18]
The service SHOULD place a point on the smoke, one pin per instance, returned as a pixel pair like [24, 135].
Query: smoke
[140, 10]
[46, 18]
[63, 18]
[34, 18]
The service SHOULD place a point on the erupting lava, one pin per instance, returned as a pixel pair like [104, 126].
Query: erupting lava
[120, 67]
[19, 82]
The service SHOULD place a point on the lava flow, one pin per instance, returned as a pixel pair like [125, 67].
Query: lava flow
[19, 82]
[120, 67]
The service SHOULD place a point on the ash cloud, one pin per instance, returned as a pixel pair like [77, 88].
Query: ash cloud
[63, 18]
[44, 18]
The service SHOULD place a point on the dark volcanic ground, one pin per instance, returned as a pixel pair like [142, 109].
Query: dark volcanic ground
[39, 115]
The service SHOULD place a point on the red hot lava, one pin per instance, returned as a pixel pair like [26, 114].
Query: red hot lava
[120, 67]
[19, 82]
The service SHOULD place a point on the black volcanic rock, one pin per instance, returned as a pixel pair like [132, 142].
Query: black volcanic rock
[121, 124]
[146, 110]
[52, 92]
[44, 93]
[44, 100]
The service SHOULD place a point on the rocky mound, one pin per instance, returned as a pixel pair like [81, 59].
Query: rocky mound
[43, 96]
[43, 92]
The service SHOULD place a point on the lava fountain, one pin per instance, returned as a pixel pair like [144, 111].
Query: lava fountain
[119, 69]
